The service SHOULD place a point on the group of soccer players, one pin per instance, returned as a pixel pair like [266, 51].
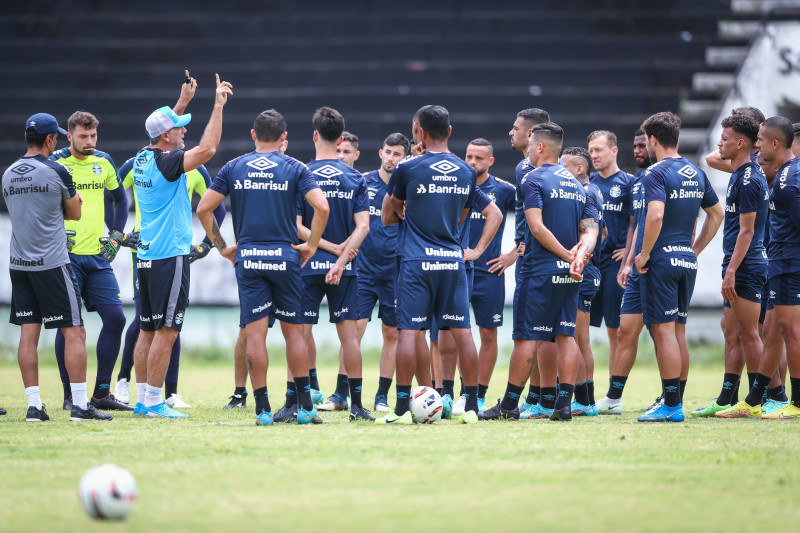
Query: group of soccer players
[421, 236]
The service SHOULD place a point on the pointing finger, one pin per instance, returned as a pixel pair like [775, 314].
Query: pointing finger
[217, 75]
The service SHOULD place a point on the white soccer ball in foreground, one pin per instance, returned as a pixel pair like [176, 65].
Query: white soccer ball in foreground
[108, 492]
[426, 405]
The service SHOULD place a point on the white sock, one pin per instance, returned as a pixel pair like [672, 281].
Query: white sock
[79, 394]
[152, 396]
[33, 397]
[140, 390]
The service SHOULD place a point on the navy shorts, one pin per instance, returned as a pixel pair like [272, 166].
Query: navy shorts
[163, 292]
[588, 289]
[488, 298]
[342, 298]
[45, 296]
[545, 306]
[608, 301]
[432, 289]
[269, 288]
[749, 284]
[666, 289]
[632, 298]
[764, 302]
[372, 291]
[784, 290]
[95, 280]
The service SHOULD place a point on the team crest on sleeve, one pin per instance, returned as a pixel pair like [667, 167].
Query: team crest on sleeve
[687, 172]
[492, 197]
[444, 166]
[261, 163]
[327, 171]
[563, 173]
[97, 169]
[616, 191]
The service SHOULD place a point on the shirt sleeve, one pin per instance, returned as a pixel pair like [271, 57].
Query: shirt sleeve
[791, 196]
[204, 181]
[473, 191]
[590, 207]
[306, 181]
[396, 185]
[750, 192]
[220, 183]
[480, 200]
[170, 164]
[654, 187]
[362, 197]
[65, 175]
[126, 174]
[709, 196]
[112, 180]
[531, 191]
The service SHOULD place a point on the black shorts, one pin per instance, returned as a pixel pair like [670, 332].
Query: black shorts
[164, 292]
[45, 296]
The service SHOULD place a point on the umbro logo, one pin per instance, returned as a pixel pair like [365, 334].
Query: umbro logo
[563, 173]
[687, 172]
[23, 169]
[445, 167]
[328, 171]
[262, 163]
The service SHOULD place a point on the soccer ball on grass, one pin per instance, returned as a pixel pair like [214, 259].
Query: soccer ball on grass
[108, 492]
[426, 405]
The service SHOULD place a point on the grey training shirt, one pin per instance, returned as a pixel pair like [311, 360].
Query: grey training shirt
[33, 188]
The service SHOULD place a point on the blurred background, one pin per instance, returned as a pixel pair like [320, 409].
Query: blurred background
[592, 64]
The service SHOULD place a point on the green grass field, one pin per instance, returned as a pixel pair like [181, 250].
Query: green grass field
[217, 470]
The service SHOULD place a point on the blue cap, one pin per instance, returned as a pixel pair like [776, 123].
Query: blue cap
[42, 124]
[164, 119]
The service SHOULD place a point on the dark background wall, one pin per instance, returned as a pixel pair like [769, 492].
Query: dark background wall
[592, 64]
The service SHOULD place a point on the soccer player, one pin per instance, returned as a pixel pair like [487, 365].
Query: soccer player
[93, 172]
[781, 325]
[488, 290]
[40, 195]
[579, 163]
[614, 185]
[715, 160]
[165, 240]
[377, 265]
[666, 257]
[630, 320]
[330, 271]
[197, 181]
[264, 186]
[433, 192]
[347, 150]
[744, 266]
[520, 137]
[562, 221]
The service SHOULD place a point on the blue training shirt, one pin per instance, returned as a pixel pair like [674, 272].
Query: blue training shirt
[378, 253]
[264, 190]
[520, 224]
[594, 195]
[684, 189]
[564, 203]
[346, 192]
[616, 193]
[436, 187]
[784, 221]
[480, 201]
[503, 194]
[747, 193]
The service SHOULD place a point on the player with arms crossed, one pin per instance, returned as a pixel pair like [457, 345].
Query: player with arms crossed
[165, 241]
[782, 322]
[563, 231]
[40, 195]
[666, 257]
[264, 186]
[433, 193]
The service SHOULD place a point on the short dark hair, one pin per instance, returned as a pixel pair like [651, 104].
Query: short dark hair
[782, 128]
[398, 139]
[83, 119]
[435, 120]
[480, 141]
[352, 139]
[329, 123]
[639, 131]
[534, 115]
[35, 140]
[796, 128]
[665, 127]
[743, 124]
[551, 131]
[269, 126]
[750, 111]
[419, 112]
[583, 153]
[611, 137]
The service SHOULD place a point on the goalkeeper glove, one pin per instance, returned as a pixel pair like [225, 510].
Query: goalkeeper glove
[70, 240]
[198, 251]
[129, 240]
[110, 245]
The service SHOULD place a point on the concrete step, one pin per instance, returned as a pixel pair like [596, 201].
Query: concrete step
[712, 82]
[698, 110]
[691, 139]
[762, 6]
[735, 30]
[725, 56]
